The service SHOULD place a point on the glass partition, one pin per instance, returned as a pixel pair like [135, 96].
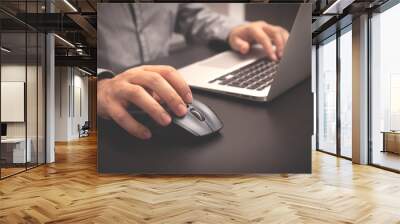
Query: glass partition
[31, 98]
[41, 97]
[13, 110]
[22, 90]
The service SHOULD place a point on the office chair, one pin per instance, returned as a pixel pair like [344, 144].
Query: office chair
[84, 130]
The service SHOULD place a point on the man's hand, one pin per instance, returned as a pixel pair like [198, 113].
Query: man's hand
[241, 38]
[143, 86]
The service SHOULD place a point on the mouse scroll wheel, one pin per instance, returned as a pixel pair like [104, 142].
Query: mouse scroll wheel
[197, 114]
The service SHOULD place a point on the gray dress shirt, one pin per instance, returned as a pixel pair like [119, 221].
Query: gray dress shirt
[133, 33]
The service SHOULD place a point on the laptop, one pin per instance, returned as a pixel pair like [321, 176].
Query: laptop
[253, 76]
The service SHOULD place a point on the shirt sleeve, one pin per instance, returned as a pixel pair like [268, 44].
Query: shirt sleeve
[198, 23]
[104, 74]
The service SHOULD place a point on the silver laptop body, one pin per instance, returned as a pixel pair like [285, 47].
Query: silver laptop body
[217, 73]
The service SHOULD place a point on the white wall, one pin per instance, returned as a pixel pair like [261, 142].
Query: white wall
[61, 103]
[71, 93]
[80, 100]
[16, 73]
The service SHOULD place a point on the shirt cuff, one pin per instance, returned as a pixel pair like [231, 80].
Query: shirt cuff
[104, 74]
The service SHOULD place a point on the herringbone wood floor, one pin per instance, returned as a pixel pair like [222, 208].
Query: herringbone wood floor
[70, 191]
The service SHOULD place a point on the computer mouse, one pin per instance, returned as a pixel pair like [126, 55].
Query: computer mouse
[200, 120]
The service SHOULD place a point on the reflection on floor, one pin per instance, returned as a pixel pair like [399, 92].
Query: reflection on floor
[71, 191]
[346, 152]
[10, 170]
[386, 159]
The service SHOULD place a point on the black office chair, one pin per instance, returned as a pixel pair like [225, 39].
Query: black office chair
[84, 130]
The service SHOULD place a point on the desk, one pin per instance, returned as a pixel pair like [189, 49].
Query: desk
[272, 137]
[391, 141]
[13, 150]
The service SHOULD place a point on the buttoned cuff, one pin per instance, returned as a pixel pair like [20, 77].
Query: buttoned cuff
[104, 74]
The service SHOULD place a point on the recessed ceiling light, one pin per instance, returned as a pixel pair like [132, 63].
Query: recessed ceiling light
[65, 41]
[70, 5]
[337, 7]
[84, 71]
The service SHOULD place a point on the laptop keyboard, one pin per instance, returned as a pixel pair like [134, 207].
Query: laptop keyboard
[256, 76]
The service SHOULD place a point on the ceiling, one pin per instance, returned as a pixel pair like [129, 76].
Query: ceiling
[72, 20]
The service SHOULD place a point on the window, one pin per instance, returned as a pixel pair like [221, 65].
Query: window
[334, 106]
[346, 92]
[385, 89]
[327, 95]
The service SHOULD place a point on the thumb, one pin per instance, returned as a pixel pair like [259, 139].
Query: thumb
[240, 45]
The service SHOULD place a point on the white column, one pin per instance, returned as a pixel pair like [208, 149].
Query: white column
[50, 93]
[360, 90]
[50, 100]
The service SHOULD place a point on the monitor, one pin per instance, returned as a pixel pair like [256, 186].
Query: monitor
[3, 129]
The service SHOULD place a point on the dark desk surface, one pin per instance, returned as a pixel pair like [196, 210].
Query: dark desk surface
[273, 137]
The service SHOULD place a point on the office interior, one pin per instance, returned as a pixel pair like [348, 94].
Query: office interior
[48, 96]
[336, 83]
[48, 82]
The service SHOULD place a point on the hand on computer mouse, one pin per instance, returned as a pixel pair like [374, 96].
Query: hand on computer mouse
[265, 34]
[137, 86]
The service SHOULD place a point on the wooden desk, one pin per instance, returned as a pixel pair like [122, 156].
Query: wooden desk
[13, 150]
[391, 141]
[273, 137]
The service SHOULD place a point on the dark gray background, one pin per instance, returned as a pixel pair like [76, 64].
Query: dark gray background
[273, 137]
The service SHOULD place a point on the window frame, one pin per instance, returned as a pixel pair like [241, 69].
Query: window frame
[333, 37]
[378, 10]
